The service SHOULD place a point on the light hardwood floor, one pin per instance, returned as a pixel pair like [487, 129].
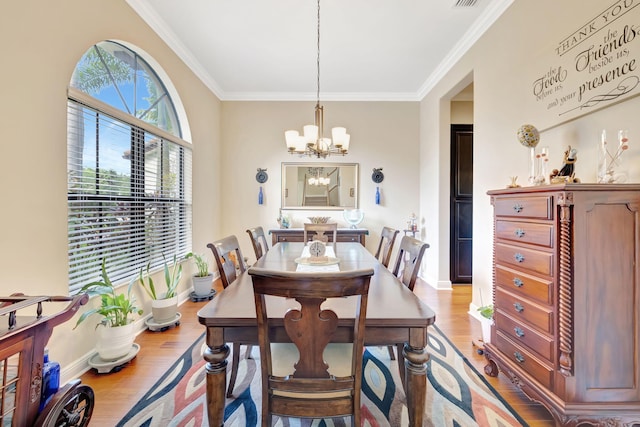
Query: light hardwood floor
[117, 392]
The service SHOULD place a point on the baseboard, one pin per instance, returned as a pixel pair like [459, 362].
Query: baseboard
[440, 284]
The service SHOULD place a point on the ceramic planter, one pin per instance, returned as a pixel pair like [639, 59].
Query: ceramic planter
[486, 329]
[115, 342]
[164, 310]
[202, 285]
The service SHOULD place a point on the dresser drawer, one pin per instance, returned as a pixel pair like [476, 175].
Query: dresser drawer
[530, 207]
[523, 310]
[527, 337]
[527, 361]
[532, 287]
[525, 232]
[292, 238]
[538, 261]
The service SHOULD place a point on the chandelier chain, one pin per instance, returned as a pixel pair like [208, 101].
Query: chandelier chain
[318, 60]
[313, 143]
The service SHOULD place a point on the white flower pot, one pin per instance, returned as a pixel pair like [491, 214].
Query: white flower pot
[202, 285]
[486, 329]
[164, 310]
[115, 342]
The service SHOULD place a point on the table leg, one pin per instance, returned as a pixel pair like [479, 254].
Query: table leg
[216, 368]
[416, 359]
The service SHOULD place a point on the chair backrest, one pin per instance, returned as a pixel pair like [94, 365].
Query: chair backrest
[385, 247]
[228, 256]
[321, 231]
[410, 254]
[258, 241]
[309, 388]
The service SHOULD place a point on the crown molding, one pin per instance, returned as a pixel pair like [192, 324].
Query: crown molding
[160, 27]
[157, 24]
[480, 26]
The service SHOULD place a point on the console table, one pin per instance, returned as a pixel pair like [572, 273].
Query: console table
[297, 235]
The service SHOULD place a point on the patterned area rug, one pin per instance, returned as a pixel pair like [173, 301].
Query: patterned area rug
[457, 395]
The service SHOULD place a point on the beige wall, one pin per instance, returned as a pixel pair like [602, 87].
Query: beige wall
[42, 43]
[383, 135]
[462, 112]
[493, 64]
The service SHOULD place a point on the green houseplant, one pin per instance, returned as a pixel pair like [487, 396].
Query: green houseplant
[164, 304]
[116, 332]
[203, 278]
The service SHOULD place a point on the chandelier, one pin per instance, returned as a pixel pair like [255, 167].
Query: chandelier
[312, 142]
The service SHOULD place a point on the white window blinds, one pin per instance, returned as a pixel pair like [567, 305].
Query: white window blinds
[129, 195]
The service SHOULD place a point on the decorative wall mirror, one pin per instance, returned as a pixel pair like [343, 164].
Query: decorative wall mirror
[320, 186]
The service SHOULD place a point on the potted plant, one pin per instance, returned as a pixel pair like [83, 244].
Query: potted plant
[164, 305]
[486, 320]
[203, 278]
[116, 332]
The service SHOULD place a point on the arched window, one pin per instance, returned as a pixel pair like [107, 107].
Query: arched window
[129, 171]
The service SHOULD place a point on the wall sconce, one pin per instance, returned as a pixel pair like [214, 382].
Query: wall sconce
[377, 176]
[261, 177]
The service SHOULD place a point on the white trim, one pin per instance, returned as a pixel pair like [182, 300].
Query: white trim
[484, 21]
[161, 28]
[157, 24]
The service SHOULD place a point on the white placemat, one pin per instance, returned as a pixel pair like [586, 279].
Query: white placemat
[308, 268]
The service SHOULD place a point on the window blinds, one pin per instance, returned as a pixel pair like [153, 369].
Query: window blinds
[129, 196]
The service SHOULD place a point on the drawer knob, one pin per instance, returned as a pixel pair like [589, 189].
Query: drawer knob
[518, 282]
[519, 257]
[519, 357]
[284, 239]
[519, 307]
[517, 208]
[519, 332]
[519, 232]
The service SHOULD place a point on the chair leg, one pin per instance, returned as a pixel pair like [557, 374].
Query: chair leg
[392, 355]
[401, 367]
[235, 361]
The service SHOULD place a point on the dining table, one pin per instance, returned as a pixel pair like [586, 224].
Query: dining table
[395, 315]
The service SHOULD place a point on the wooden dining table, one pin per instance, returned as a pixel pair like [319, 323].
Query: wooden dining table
[394, 315]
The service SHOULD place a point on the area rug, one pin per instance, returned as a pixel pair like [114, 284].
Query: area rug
[457, 395]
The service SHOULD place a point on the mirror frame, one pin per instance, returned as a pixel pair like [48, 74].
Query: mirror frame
[283, 180]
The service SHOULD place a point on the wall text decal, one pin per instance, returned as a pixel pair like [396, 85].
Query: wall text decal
[595, 66]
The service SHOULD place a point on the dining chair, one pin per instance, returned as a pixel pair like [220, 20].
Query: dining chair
[385, 247]
[317, 232]
[258, 241]
[409, 257]
[310, 377]
[230, 262]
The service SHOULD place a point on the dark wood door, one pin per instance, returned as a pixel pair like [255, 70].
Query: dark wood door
[461, 224]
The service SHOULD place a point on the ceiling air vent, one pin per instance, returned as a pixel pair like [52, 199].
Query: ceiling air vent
[465, 3]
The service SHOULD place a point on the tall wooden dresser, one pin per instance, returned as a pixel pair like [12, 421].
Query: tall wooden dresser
[567, 299]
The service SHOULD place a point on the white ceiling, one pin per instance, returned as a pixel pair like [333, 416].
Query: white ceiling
[369, 49]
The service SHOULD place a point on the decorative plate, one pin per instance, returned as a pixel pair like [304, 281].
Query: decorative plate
[262, 176]
[377, 175]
